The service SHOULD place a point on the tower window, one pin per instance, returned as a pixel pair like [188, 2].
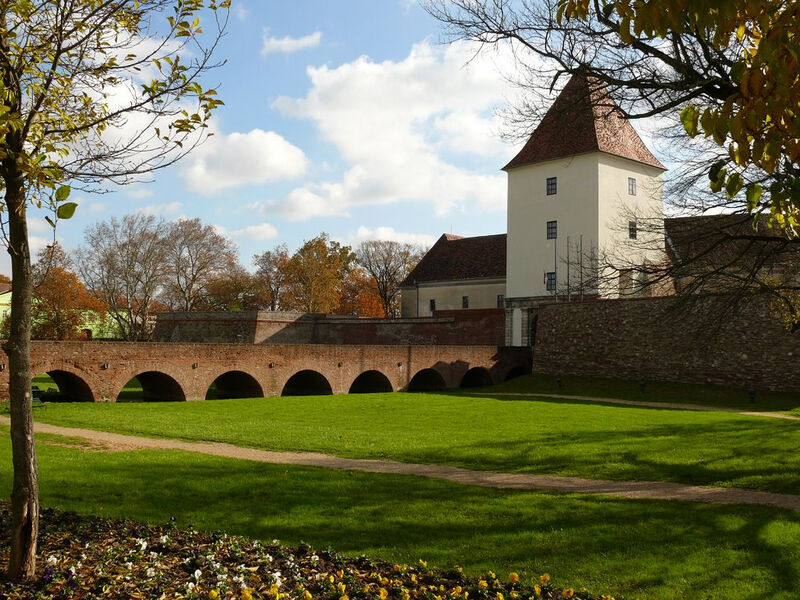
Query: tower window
[631, 186]
[433, 304]
[632, 230]
[552, 186]
[550, 280]
[501, 301]
[464, 301]
[552, 230]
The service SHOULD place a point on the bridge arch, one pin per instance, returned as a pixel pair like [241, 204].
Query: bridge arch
[427, 380]
[155, 387]
[234, 384]
[307, 383]
[371, 382]
[476, 377]
[71, 386]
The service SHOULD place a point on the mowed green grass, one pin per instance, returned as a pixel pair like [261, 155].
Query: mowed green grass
[642, 549]
[653, 391]
[559, 437]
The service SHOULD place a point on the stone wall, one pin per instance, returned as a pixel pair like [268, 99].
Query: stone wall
[461, 327]
[666, 339]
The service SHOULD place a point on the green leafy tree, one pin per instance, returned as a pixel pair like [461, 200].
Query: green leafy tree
[92, 92]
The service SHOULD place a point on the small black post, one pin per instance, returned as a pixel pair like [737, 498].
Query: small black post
[752, 394]
[642, 386]
[558, 382]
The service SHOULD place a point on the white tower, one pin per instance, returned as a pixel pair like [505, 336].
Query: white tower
[576, 194]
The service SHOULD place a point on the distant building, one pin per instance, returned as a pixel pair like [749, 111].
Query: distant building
[579, 187]
[457, 273]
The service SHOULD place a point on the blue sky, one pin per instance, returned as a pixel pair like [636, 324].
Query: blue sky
[346, 116]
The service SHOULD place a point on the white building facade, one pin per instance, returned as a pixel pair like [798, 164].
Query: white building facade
[584, 208]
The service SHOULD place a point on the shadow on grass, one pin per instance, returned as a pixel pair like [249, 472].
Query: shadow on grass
[726, 450]
[654, 391]
[637, 548]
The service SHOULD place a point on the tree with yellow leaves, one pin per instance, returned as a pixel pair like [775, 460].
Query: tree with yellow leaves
[725, 73]
[91, 92]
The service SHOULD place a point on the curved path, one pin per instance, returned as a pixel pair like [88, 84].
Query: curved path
[657, 490]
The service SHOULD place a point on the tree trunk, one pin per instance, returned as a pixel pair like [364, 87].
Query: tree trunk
[25, 491]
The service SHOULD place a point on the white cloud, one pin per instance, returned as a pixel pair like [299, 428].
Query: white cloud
[39, 225]
[139, 193]
[96, 207]
[399, 125]
[161, 210]
[36, 243]
[240, 11]
[388, 233]
[288, 44]
[237, 159]
[262, 231]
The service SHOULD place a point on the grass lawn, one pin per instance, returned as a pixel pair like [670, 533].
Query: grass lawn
[642, 549]
[654, 391]
[560, 437]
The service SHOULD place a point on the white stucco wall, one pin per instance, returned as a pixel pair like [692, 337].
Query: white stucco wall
[530, 254]
[449, 294]
[592, 201]
[616, 207]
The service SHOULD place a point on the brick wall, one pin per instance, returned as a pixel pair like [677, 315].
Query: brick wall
[660, 339]
[99, 370]
[462, 327]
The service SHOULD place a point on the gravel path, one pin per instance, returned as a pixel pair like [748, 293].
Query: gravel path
[627, 489]
[670, 405]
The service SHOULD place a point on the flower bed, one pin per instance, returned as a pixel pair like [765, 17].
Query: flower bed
[87, 558]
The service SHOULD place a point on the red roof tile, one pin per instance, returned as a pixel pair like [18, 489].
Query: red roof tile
[454, 258]
[582, 119]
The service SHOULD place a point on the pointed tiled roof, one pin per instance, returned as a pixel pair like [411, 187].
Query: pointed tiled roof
[454, 258]
[582, 120]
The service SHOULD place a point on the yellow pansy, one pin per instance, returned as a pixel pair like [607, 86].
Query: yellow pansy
[482, 584]
[545, 579]
[213, 594]
[513, 578]
[383, 593]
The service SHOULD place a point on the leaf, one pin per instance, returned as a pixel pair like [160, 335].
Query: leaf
[65, 211]
[62, 193]
[689, 117]
[753, 195]
[49, 220]
[733, 185]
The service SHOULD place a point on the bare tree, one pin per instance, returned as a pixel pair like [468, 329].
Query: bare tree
[389, 263]
[271, 272]
[124, 264]
[196, 254]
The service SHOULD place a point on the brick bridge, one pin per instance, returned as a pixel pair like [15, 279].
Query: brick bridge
[97, 371]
